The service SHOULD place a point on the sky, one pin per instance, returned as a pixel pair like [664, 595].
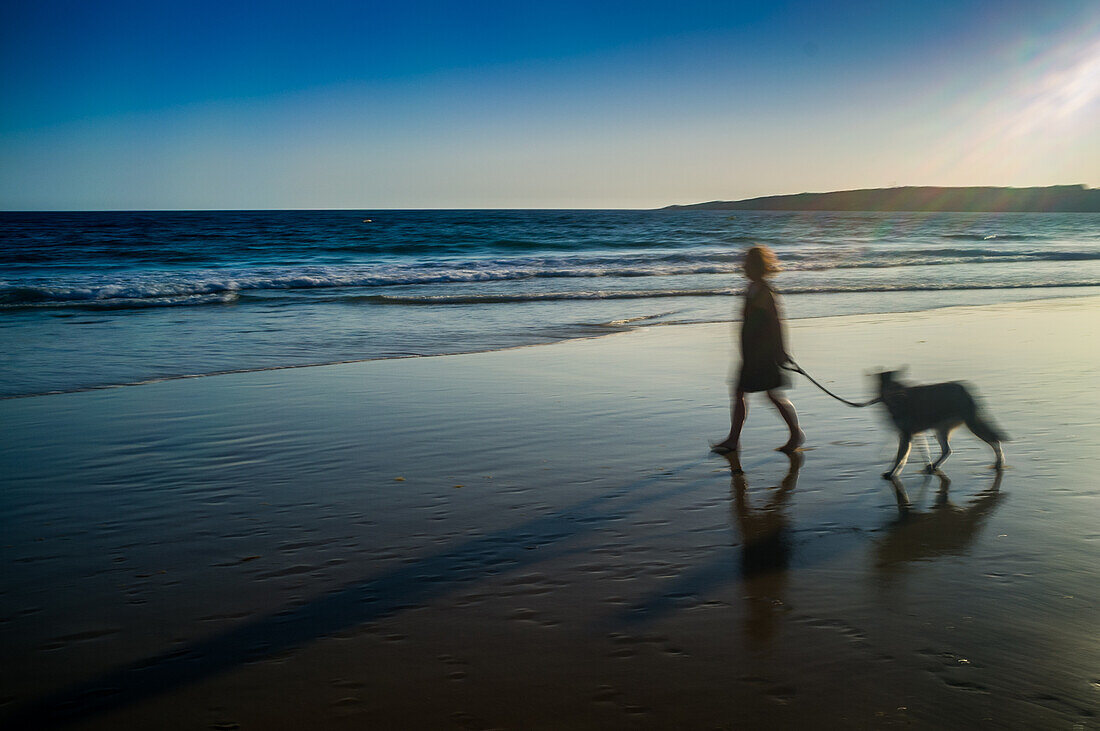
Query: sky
[431, 104]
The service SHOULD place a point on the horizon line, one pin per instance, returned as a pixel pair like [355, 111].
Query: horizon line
[1082, 186]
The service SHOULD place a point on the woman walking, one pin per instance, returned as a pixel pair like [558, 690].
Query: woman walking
[762, 352]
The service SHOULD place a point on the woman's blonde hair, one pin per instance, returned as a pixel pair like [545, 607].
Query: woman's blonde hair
[760, 261]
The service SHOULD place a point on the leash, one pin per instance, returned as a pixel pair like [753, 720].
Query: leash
[798, 369]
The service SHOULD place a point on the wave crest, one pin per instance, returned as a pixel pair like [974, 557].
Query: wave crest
[213, 286]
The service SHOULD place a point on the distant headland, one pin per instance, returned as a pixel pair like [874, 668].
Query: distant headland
[1054, 198]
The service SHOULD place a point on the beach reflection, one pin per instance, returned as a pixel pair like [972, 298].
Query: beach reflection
[766, 547]
[945, 529]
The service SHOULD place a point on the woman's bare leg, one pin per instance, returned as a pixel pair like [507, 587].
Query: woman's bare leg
[786, 410]
[739, 409]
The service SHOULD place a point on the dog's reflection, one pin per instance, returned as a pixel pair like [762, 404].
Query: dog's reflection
[766, 547]
[945, 529]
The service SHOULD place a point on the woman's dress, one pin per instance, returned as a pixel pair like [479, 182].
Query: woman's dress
[762, 347]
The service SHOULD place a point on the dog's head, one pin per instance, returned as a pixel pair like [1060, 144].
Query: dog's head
[889, 380]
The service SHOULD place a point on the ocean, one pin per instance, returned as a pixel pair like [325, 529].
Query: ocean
[98, 299]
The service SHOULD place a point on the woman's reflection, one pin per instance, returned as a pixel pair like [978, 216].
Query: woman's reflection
[765, 548]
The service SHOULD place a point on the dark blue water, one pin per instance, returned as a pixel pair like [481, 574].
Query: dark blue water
[90, 299]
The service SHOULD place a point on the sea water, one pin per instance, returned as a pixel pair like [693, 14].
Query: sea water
[94, 299]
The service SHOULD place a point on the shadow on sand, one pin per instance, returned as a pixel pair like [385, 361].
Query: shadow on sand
[763, 559]
[419, 581]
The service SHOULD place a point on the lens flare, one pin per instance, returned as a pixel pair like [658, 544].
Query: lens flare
[1059, 94]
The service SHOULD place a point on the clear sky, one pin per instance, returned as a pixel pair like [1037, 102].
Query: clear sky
[565, 104]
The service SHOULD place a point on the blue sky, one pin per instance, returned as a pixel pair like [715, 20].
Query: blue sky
[557, 105]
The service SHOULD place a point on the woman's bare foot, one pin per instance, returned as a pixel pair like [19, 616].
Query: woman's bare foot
[794, 443]
[726, 446]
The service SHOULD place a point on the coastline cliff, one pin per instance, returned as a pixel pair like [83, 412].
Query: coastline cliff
[1055, 198]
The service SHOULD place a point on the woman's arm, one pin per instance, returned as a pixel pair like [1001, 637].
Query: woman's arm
[775, 325]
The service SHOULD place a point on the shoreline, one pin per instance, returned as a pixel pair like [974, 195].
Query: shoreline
[614, 328]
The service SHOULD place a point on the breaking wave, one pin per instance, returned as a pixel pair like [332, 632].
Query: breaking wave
[166, 288]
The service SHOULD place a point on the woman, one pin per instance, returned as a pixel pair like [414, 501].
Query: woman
[762, 352]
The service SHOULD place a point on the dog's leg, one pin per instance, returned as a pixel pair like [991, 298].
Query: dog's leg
[942, 435]
[1000, 463]
[990, 435]
[904, 442]
[996, 445]
[926, 453]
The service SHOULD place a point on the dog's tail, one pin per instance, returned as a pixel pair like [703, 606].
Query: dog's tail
[984, 429]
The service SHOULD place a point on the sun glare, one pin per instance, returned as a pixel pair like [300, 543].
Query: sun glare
[1061, 93]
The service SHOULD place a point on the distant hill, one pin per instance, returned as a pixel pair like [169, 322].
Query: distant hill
[1055, 198]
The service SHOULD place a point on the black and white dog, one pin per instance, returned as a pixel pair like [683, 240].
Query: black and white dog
[939, 406]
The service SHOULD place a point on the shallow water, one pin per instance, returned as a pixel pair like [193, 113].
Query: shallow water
[94, 299]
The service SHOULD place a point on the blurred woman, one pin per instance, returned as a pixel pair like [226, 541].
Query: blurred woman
[762, 353]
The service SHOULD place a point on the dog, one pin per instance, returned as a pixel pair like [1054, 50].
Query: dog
[939, 406]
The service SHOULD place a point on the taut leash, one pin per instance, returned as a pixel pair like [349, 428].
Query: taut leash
[798, 369]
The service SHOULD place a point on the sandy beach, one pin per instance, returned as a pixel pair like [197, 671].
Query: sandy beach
[540, 538]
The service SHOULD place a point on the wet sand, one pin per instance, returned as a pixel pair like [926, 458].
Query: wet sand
[539, 538]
